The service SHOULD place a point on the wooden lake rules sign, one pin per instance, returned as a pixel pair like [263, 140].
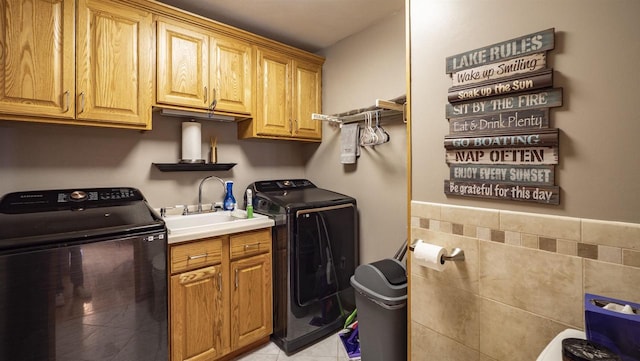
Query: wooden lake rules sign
[518, 66]
[528, 155]
[528, 44]
[538, 80]
[545, 137]
[538, 194]
[516, 174]
[503, 122]
[494, 158]
[540, 99]
[500, 144]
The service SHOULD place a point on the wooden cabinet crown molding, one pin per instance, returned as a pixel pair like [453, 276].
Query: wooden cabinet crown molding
[170, 12]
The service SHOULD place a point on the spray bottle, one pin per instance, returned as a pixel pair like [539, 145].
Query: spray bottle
[249, 204]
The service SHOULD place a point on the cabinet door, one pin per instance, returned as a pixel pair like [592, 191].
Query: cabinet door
[273, 108]
[251, 300]
[114, 53]
[37, 72]
[196, 317]
[307, 80]
[232, 75]
[183, 66]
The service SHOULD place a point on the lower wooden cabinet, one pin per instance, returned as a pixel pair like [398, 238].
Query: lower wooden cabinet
[251, 301]
[220, 295]
[196, 314]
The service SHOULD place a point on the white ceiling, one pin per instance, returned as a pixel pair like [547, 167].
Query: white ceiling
[307, 24]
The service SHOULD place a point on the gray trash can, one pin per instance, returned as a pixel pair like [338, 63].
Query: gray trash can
[381, 299]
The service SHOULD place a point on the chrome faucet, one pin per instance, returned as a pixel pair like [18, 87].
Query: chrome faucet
[200, 191]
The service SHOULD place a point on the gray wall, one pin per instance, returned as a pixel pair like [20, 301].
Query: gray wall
[594, 61]
[360, 69]
[501, 294]
[44, 156]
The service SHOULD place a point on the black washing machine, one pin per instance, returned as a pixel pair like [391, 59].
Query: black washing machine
[315, 242]
[83, 275]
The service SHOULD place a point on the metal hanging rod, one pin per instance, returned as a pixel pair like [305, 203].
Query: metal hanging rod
[385, 108]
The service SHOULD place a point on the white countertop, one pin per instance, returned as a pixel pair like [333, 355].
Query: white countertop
[218, 229]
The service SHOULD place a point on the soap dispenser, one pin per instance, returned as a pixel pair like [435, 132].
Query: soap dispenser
[229, 200]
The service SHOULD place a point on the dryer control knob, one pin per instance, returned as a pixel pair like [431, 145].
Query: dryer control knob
[78, 195]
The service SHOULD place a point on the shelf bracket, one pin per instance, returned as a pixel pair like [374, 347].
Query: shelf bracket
[328, 118]
[385, 104]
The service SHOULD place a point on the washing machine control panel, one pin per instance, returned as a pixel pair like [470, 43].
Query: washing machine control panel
[283, 184]
[65, 199]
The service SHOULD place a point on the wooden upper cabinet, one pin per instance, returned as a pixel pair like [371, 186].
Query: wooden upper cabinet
[37, 70]
[91, 62]
[91, 68]
[307, 99]
[202, 70]
[288, 91]
[114, 55]
[182, 66]
[273, 92]
[232, 71]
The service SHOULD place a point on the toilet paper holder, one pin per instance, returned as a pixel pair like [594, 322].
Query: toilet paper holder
[456, 255]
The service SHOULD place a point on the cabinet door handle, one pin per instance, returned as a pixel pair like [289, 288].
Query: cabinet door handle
[220, 282]
[247, 246]
[295, 129]
[66, 99]
[290, 126]
[191, 258]
[237, 278]
[214, 101]
[81, 103]
[206, 95]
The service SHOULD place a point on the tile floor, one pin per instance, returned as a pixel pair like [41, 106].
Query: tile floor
[329, 349]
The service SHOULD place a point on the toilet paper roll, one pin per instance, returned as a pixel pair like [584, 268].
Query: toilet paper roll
[191, 142]
[429, 255]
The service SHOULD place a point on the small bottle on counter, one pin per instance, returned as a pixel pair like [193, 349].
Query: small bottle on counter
[249, 204]
[229, 199]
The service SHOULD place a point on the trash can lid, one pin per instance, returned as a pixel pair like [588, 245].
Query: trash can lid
[385, 279]
[576, 349]
[394, 272]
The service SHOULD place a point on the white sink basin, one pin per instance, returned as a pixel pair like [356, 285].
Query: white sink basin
[194, 226]
[180, 223]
